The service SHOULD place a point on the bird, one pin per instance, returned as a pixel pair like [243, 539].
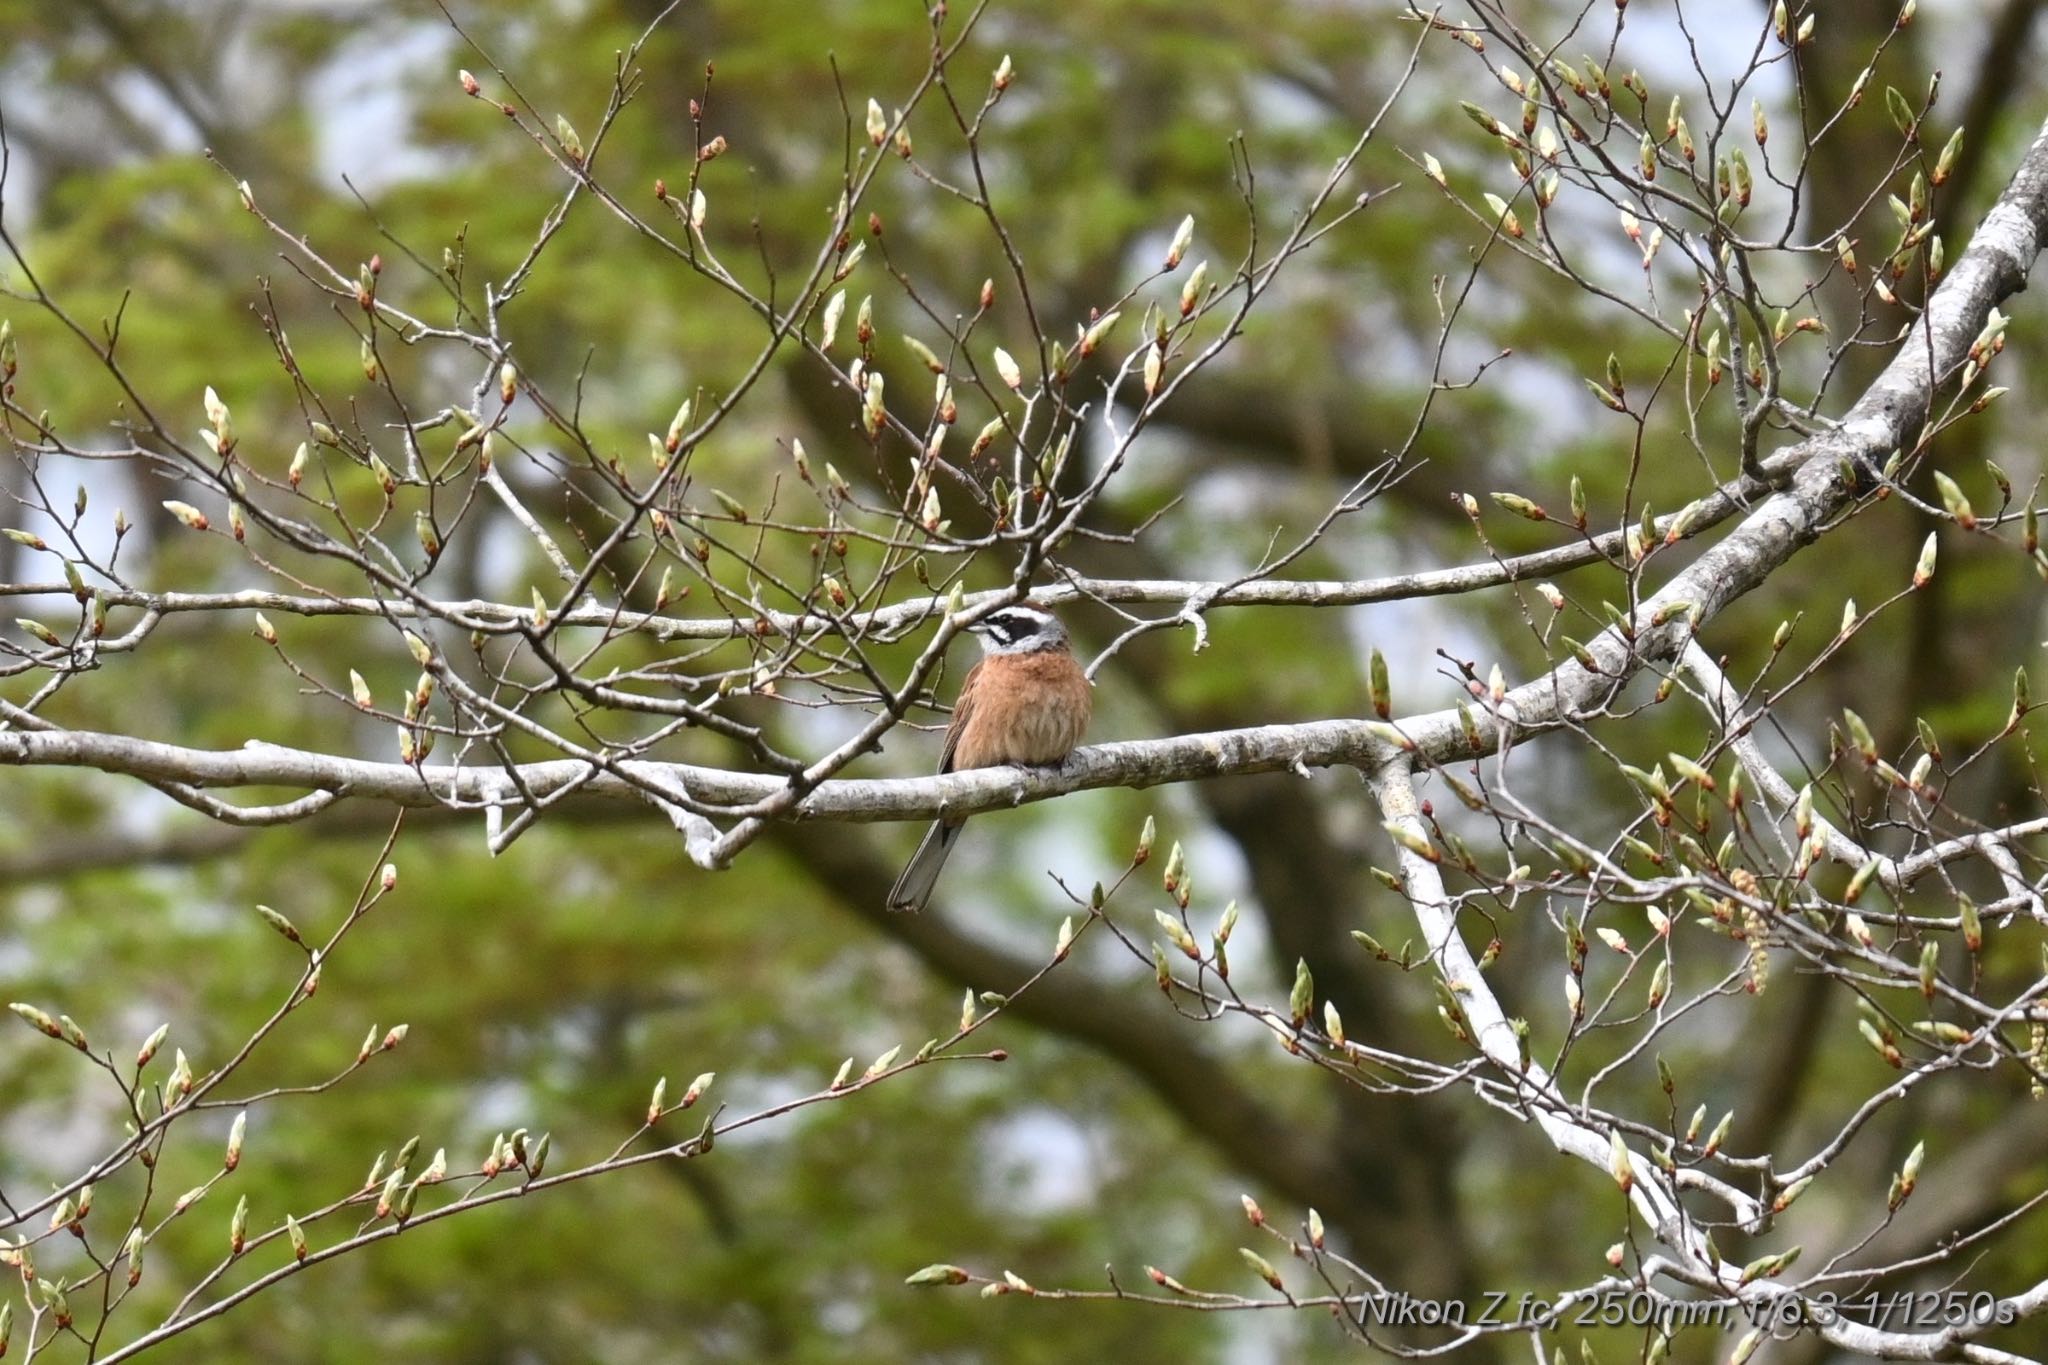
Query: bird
[1026, 701]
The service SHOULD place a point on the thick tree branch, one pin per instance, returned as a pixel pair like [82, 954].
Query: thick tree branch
[1888, 415]
[1828, 474]
[1264, 748]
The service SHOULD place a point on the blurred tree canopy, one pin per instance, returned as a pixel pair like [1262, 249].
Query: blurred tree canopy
[549, 987]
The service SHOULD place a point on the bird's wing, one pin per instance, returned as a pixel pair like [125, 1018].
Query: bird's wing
[963, 707]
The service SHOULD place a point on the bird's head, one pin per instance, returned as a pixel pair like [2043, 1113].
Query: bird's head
[1019, 630]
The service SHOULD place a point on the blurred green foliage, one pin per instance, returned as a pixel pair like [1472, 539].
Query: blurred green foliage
[549, 988]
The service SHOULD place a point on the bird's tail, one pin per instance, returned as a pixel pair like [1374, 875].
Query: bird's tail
[921, 873]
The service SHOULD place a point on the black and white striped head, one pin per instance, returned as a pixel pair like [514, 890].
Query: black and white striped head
[1019, 630]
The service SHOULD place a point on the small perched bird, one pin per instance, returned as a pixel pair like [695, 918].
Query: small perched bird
[1027, 701]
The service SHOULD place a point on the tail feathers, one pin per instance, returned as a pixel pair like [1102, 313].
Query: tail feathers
[914, 888]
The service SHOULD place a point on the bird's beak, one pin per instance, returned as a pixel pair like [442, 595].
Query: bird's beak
[973, 627]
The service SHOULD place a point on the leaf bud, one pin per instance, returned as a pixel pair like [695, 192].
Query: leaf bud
[1182, 236]
[1261, 1267]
